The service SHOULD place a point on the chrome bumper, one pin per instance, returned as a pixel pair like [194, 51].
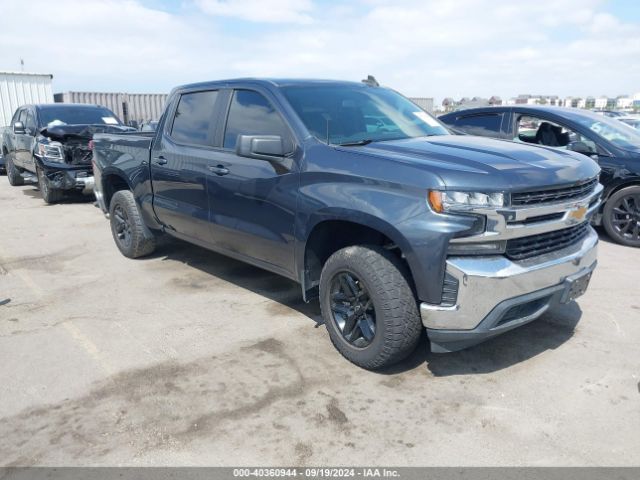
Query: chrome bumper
[86, 184]
[487, 282]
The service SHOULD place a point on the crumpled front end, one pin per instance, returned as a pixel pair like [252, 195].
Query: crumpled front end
[64, 155]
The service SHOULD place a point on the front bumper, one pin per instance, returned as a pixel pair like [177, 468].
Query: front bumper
[496, 294]
[69, 178]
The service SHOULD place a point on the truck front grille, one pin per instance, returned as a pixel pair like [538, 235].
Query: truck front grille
[78, 154]
[526, 247]
[554, 195]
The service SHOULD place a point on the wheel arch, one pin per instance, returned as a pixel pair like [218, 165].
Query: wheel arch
[113, 181]
[623, 183]
[330, 233]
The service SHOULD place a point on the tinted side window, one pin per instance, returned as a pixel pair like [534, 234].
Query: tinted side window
[487, 125]
[30, 123]
[193, 119]
[252, 114]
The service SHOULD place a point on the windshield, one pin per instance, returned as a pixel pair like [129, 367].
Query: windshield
[611, 129]
[65, 115]
[345, 114]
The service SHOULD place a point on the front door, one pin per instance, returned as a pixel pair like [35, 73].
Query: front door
[28, 141]
[22, 142]
[252, 202]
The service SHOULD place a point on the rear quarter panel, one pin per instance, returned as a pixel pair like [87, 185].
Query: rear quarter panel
[126, 156]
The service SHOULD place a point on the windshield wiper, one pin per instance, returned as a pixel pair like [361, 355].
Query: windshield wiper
[356, 143]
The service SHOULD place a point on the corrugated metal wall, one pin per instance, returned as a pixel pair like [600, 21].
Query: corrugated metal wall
[425, 103]
[140, 107]
[20, 88]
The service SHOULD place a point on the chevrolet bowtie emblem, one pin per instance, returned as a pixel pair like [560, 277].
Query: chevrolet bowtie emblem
[578, 214]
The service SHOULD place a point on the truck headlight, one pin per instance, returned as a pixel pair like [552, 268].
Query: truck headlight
[51, 151]
[452, 201]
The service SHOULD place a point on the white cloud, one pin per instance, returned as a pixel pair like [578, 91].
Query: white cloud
[271, 11]
[420, 47]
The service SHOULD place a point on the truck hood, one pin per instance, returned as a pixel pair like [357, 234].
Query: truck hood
[75, 140]
[468, 162]
[61, 133]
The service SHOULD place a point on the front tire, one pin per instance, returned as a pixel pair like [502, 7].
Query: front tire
[131, 235]
[13, 174]
[49, 195]
[621, 216]
[368, 306]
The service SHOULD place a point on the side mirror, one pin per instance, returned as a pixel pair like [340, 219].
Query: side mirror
[262, 147]
[18, 128]
[581, 147]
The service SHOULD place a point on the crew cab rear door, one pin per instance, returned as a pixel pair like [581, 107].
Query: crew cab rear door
[253, 200]
[180, 160]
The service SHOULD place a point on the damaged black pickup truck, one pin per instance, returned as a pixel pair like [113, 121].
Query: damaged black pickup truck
[50, 144]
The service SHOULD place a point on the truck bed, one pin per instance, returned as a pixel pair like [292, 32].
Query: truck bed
[128, 150]
[126, 153]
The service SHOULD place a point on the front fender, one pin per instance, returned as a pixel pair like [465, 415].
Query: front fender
[399, 214]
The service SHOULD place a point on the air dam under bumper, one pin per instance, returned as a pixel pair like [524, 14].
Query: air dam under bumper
[496, 294]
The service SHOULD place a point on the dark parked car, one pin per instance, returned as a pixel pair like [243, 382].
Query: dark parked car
[615, 147]
[631, 121]
[610, 113]
[364, 199]
[50, 143]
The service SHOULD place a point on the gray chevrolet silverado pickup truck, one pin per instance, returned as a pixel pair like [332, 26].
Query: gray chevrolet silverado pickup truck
[365, 200]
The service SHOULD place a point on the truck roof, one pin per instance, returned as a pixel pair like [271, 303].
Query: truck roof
[45, 106]
[273, 82]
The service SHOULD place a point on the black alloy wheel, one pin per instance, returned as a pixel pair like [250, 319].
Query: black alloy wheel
[122, 226]
[131, 235]
[626, 217]
[368, 306]
[49, 195]
[621, 216]
[352, 309]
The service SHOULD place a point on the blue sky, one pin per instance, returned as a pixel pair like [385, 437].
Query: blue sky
[433, 48]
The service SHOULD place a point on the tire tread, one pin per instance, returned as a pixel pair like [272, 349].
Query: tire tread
[388, 277]
[143, 241]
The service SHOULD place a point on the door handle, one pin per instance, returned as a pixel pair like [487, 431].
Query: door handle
[160, 160]
[219, 170]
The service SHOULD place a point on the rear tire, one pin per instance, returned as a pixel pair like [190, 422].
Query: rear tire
[621, 216]
[367, 286]
[13, 174]
[49, 195]
[131, 235]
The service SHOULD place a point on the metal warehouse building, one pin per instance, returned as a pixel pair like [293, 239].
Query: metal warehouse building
[130, 107]
[20, 88]
[425, 103]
